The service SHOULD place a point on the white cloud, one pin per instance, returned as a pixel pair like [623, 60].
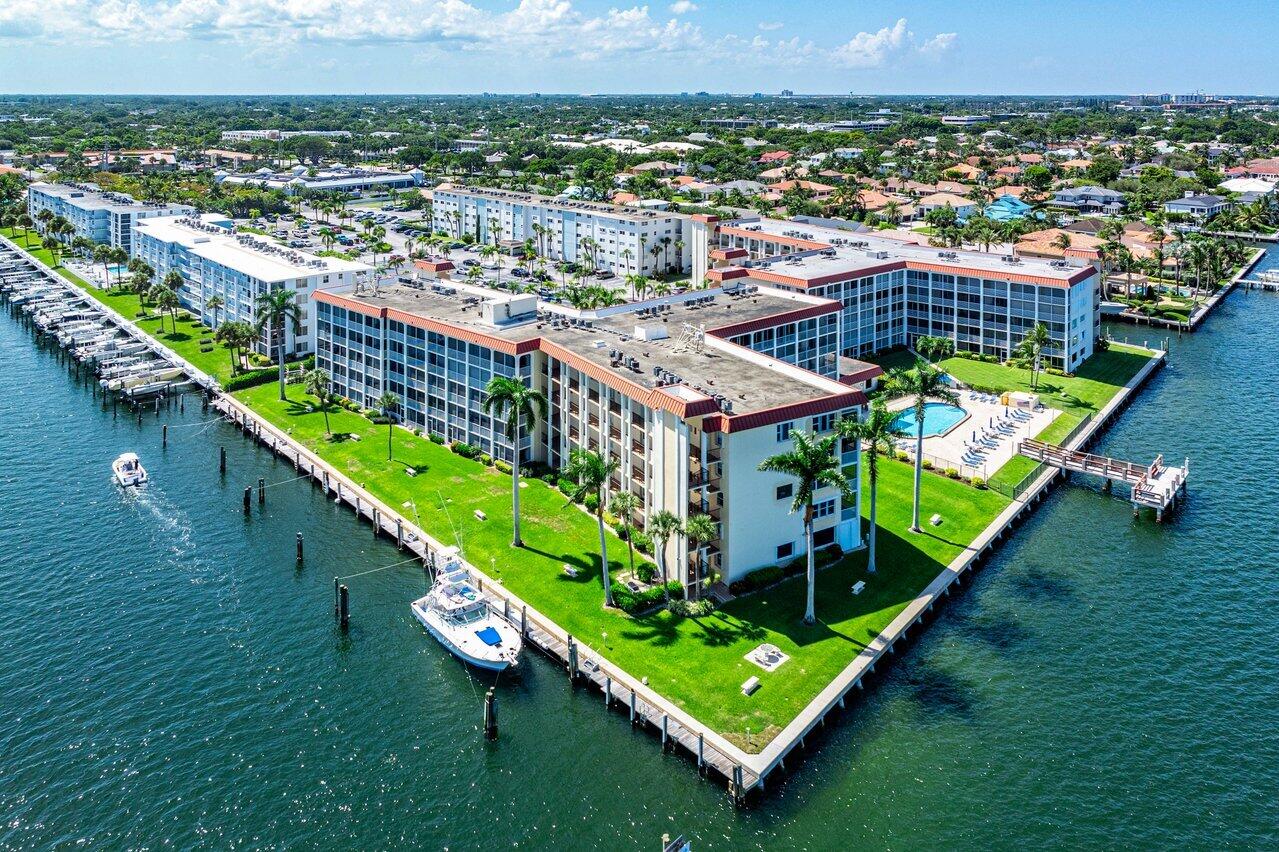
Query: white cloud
[541, 29]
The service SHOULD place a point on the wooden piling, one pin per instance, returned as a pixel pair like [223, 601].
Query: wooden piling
[344, 607]
[222, 461]
[164, 436]
[248, 497]
[490, 714]
[299, 548]
[261, 491]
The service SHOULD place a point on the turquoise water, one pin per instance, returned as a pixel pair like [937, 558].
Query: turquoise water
[172, 678]
[939, 418]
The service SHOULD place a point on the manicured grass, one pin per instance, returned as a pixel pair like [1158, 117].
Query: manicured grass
[697, 663]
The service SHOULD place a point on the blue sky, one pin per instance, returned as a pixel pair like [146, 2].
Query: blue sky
[392, 46]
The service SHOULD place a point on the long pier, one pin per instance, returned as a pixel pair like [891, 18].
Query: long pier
[1157, 486]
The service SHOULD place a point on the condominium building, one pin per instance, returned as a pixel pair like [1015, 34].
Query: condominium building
[104, 217]
[655, 386]
[607, 236]
[276, 135]
[896, 291]
[239, 268]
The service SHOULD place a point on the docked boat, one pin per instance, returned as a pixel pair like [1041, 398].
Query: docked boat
[128, 470]
[455, 613]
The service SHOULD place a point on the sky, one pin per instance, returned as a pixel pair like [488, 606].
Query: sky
[589, 46]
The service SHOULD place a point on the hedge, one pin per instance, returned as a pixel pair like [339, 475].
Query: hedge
[251, 379]
[631, 601]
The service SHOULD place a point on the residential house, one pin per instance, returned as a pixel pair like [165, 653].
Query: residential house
[1197, 206]
[1089, 200]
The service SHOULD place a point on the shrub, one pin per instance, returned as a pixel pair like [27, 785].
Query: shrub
[759, 578]
[205, 341]
[206, 348]
[952, 473]
[646, 571]
[692, 609]
[631, 602]
[927, 465]
[466, 451]
[978, 483]
[259, 360]
[829, 555]
[437, 438]
[502, 466]
[643, 541]
[250, 379]
[565, 484]
[551, 478]
[901, 455]
[591, 502]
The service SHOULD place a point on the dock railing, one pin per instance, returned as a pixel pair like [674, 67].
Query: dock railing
[1017, 490]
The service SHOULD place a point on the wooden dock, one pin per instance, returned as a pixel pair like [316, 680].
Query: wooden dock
[1157, 486]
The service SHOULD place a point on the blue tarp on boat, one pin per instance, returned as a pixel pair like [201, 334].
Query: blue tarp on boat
[489, 636]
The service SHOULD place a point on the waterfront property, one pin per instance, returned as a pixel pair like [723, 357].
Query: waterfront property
[895, 292]
[687, 417]
[238, 269]
[592, 234]
[104, 217]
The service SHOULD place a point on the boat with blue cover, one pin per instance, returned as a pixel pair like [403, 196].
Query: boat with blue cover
[456, 614]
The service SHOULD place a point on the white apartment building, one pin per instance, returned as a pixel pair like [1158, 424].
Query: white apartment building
[622, 239]
[238, 268]
[104, 217]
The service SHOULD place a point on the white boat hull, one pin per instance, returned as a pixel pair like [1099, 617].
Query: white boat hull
[471, 650]
[128, 477]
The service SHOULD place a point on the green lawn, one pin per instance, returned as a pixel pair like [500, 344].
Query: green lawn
[184, 340]
[696, 663]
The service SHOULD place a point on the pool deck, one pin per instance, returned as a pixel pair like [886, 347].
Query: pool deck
[998, 445]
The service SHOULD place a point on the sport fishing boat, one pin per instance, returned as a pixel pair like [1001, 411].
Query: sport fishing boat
[128, 470]
[455, 613]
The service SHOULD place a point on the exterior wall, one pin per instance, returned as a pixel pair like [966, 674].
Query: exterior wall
[92, 217]
[624, 241]
[811, 343]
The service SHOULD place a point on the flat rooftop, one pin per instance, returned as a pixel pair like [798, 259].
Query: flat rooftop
[558, 203]
[829, 253]
[751, 382]
[91, 197]
[254, 256]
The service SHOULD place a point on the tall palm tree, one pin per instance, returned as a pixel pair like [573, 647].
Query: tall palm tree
[591, 474]
[387, 403]
[316, 383]
[235, 336]
[273, 310]
[214, 306]
[875, 435]
[523, 407]
[699, 529]
[624, 504]
[661, 527]
[811, 461]
[920, 382]
[166, 301]
[1032, 346]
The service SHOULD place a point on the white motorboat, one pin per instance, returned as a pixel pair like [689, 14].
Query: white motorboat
[455, 613]
[128, 470]
[1270, 276]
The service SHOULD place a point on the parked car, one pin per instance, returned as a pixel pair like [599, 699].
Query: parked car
[519, 272]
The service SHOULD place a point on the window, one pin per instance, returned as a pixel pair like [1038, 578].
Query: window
[784, 492]
[824, 422]
[785, 551]
[824, 509]
[783, 431]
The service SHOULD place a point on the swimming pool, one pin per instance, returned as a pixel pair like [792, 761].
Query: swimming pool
[939, 418]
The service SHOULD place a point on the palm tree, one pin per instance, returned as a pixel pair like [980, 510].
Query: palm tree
[214, 306]
[699, 529]
[316, 383]
[273, 309]
[1036, 341]
[875, 434]
[811, 461]
[235, 336]
[102, 255]
[387, 403]
[166, 301]
[661, 526]
[523, 407]
[921, 382]
[624, 504]
[591, 474]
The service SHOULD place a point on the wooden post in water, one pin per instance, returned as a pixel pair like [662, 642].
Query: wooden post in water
[399, 533]
[572, 655]
[490, 714]
[701, 751]
[299, 546]
[164, 436]
[377, 522]
[261, 491]
[157, 406]
[222, 461]
[337, 597]
[248, 496]
[344, 607]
